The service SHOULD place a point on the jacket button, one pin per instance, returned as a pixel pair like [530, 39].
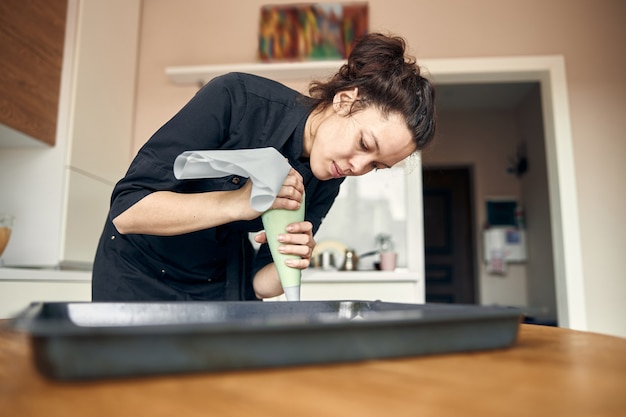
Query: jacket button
[236, 180]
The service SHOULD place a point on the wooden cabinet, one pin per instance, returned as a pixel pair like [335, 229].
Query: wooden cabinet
[31, 55]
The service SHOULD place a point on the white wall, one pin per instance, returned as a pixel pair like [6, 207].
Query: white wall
[102, 119]
[60, 195]
[540, 273]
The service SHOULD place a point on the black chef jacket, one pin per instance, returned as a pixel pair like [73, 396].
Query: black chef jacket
[234, 111]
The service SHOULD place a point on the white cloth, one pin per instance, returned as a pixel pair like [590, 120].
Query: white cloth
[266, 167]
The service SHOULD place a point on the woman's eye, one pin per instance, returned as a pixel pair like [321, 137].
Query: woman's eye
[363, 144]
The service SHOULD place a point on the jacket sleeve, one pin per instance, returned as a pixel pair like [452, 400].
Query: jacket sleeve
[203, 123]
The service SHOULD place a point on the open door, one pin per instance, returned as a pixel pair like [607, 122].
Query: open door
[448, 235]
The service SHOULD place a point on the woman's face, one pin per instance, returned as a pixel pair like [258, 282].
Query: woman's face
[340, 144]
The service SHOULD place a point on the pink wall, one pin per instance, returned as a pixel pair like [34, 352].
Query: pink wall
[484, 140]
[589, 34]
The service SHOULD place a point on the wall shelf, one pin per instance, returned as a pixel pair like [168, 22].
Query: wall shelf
[284, 71]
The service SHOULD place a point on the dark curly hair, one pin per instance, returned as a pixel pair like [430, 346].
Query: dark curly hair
[388, 79]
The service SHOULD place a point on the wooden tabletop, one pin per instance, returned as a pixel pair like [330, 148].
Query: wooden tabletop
[548, 372]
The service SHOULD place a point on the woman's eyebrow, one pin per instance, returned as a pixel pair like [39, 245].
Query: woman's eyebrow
[375, 139]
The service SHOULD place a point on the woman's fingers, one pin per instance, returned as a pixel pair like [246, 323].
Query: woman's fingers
[294, 179]
[261, 237]
[299, 237]
[298, 240]
[298, 263]
[290, 194]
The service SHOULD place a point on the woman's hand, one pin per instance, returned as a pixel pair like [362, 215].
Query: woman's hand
[291, 193]
[297, 241]
[299, 237]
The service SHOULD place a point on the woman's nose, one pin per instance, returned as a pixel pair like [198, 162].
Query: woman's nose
[361, 165]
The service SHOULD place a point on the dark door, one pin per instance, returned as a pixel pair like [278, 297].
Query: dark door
[449, 235]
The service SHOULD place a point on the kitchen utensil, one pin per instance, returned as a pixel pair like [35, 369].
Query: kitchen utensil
[335, 248]
[388, 261]
[351, 261]
[6, 226]
[327, 260]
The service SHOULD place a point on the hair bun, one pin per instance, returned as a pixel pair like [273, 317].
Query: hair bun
[387, 78]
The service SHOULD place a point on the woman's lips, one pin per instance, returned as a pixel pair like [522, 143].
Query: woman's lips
[336, 171]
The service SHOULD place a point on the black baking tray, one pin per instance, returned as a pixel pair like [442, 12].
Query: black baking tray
[83, 340]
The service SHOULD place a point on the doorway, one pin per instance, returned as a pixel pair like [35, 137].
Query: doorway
[449, 250]
[549, 71]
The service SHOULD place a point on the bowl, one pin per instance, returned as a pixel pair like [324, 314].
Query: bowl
[6, 225]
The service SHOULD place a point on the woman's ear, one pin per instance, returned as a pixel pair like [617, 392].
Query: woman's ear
[342, 102]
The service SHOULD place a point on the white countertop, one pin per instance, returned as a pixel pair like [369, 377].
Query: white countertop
[42, 274]
[308, 275]
[318, 275]
[21, 286]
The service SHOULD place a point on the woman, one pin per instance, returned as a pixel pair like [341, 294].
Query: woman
[168, 239]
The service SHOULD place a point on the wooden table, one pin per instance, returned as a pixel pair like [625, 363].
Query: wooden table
[548, 372]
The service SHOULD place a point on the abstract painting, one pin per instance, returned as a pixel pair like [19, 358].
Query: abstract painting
[310, 31]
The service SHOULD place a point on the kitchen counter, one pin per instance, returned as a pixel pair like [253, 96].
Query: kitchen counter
[392, 286]
[43, 274]
[548, 372]
[311, 274]
[21, 286]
